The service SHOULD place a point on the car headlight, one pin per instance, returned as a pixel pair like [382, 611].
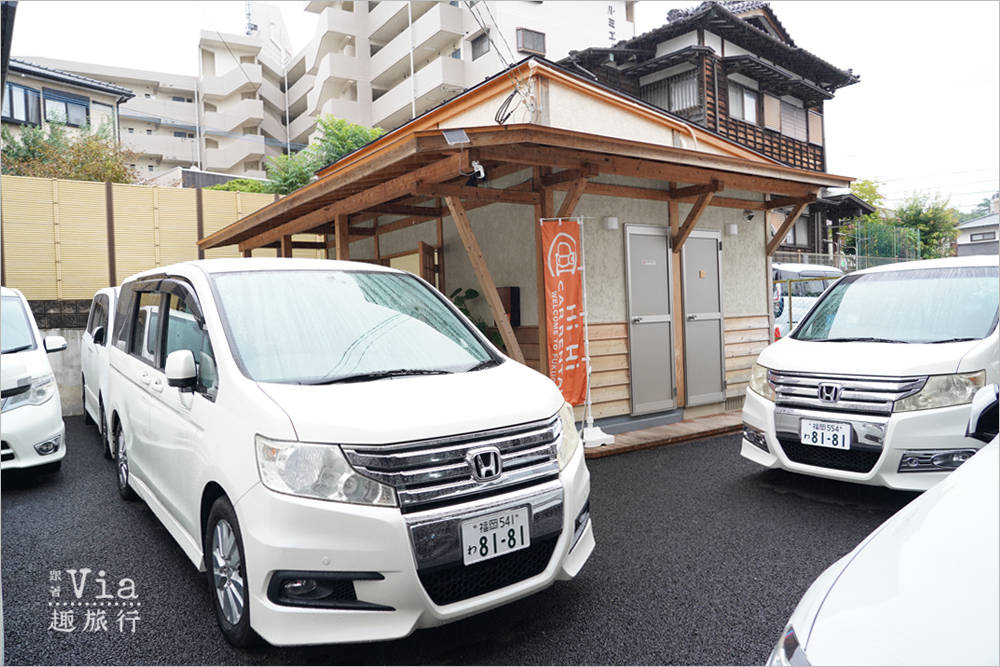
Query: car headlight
[942, 391]
[42, 389]
[759, 383]
[789, 651]
[317, 471]
[570, 436]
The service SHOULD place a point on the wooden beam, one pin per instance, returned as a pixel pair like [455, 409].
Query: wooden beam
[569, 175]
[692, 219]
[286, 246]
[485, 279]
[544, 209]
[787, 224]
[572, 198]
[482, 194]
[698, 190]
[401, 209]
[343, 244]
[382, 193]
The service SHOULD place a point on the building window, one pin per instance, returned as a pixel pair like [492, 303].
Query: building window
[149, 167]
[21, 105]
[531, 41]
[678, 94]
[985, 236]
[63, 107]
[149, 132]
[131, 130]
[480, 45]
[793, 122]
[180, 135]
[742, 103]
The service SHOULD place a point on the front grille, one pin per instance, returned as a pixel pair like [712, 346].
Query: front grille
[855, 394]
[458, 582]
[825, 457]
[435, 472]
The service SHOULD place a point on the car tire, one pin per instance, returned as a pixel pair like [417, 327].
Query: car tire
[225, 566]
[87, 419]
[103, 428]
[121, 467]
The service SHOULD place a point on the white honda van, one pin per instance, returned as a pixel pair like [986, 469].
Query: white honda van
[32, 428]
[874, 385]
[340, 449]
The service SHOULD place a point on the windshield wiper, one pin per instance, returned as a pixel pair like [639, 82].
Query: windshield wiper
[950, 340]
[18, 349]
[857, 340]
[379, 375]
[483, 365]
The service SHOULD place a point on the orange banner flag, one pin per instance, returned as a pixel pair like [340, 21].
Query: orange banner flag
[564, 307]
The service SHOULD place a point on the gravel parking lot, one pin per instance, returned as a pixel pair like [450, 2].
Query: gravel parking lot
[701, 557]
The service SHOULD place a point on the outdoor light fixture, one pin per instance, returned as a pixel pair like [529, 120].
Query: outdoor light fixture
[732, 229]
[611, 223]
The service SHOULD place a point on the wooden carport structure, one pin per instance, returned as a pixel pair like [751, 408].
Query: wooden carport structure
[421, 173]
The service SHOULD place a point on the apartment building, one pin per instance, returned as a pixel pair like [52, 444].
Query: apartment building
[378, 64]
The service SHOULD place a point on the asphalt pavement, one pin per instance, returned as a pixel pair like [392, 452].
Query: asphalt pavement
[701, 557]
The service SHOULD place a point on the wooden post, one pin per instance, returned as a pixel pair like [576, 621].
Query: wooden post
[678, 308]
[542, 210]
[200, 219]
[485, 279]
[286, 247]
[109, 202]
[343, 249]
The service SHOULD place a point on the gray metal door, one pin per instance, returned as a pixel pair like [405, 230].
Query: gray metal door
[704, 363]
[650, 319]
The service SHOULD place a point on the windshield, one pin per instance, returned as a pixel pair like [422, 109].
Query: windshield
[315, 327]
[15, 330]
[910, 306]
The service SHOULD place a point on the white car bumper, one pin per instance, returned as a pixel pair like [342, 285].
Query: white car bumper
[879, 444]
[378, 551]
[29, 426]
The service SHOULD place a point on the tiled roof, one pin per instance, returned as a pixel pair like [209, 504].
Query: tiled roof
[31, 69]
[991, 220]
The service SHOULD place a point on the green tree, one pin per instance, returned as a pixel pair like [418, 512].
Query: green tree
[339, 137]
[243, 185]
[982, 208]
[936, 222]
[52, 151]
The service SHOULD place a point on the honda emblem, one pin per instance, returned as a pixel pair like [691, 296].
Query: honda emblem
[829, 393]
[486, 464]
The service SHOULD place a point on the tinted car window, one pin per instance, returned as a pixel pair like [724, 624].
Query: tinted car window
[184, 332]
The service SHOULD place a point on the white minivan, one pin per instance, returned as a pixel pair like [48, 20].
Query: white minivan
[874, 385]
[32, 429]
[94, 361]
[341, 451]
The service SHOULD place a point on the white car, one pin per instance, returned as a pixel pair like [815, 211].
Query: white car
[32, 428]
[922, 589]
[94, 361]
[808, 282]
[339, 449]
[874, 386]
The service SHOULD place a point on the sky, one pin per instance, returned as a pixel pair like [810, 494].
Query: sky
[924, 118]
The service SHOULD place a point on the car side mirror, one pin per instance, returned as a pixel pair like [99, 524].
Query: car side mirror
[99, 336]
[181, 371]
[985, 414]
[54, 344]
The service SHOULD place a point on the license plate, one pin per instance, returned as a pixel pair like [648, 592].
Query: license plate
[825, 434]
[495, 535]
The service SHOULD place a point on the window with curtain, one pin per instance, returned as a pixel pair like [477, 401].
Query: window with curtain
[21, 105]
[742, 103]
[793, 121]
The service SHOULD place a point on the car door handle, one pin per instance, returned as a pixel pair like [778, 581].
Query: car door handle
[157, 385]
[144, 378]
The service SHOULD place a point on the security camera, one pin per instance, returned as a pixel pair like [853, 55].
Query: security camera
[748, 215]
[480, 172]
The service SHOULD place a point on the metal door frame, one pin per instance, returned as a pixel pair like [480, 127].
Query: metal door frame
[649, 230]
[711, 398]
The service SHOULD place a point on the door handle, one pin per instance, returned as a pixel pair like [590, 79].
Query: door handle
[144, 378]
[157, 385]
[636, 320]
[692, 318]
